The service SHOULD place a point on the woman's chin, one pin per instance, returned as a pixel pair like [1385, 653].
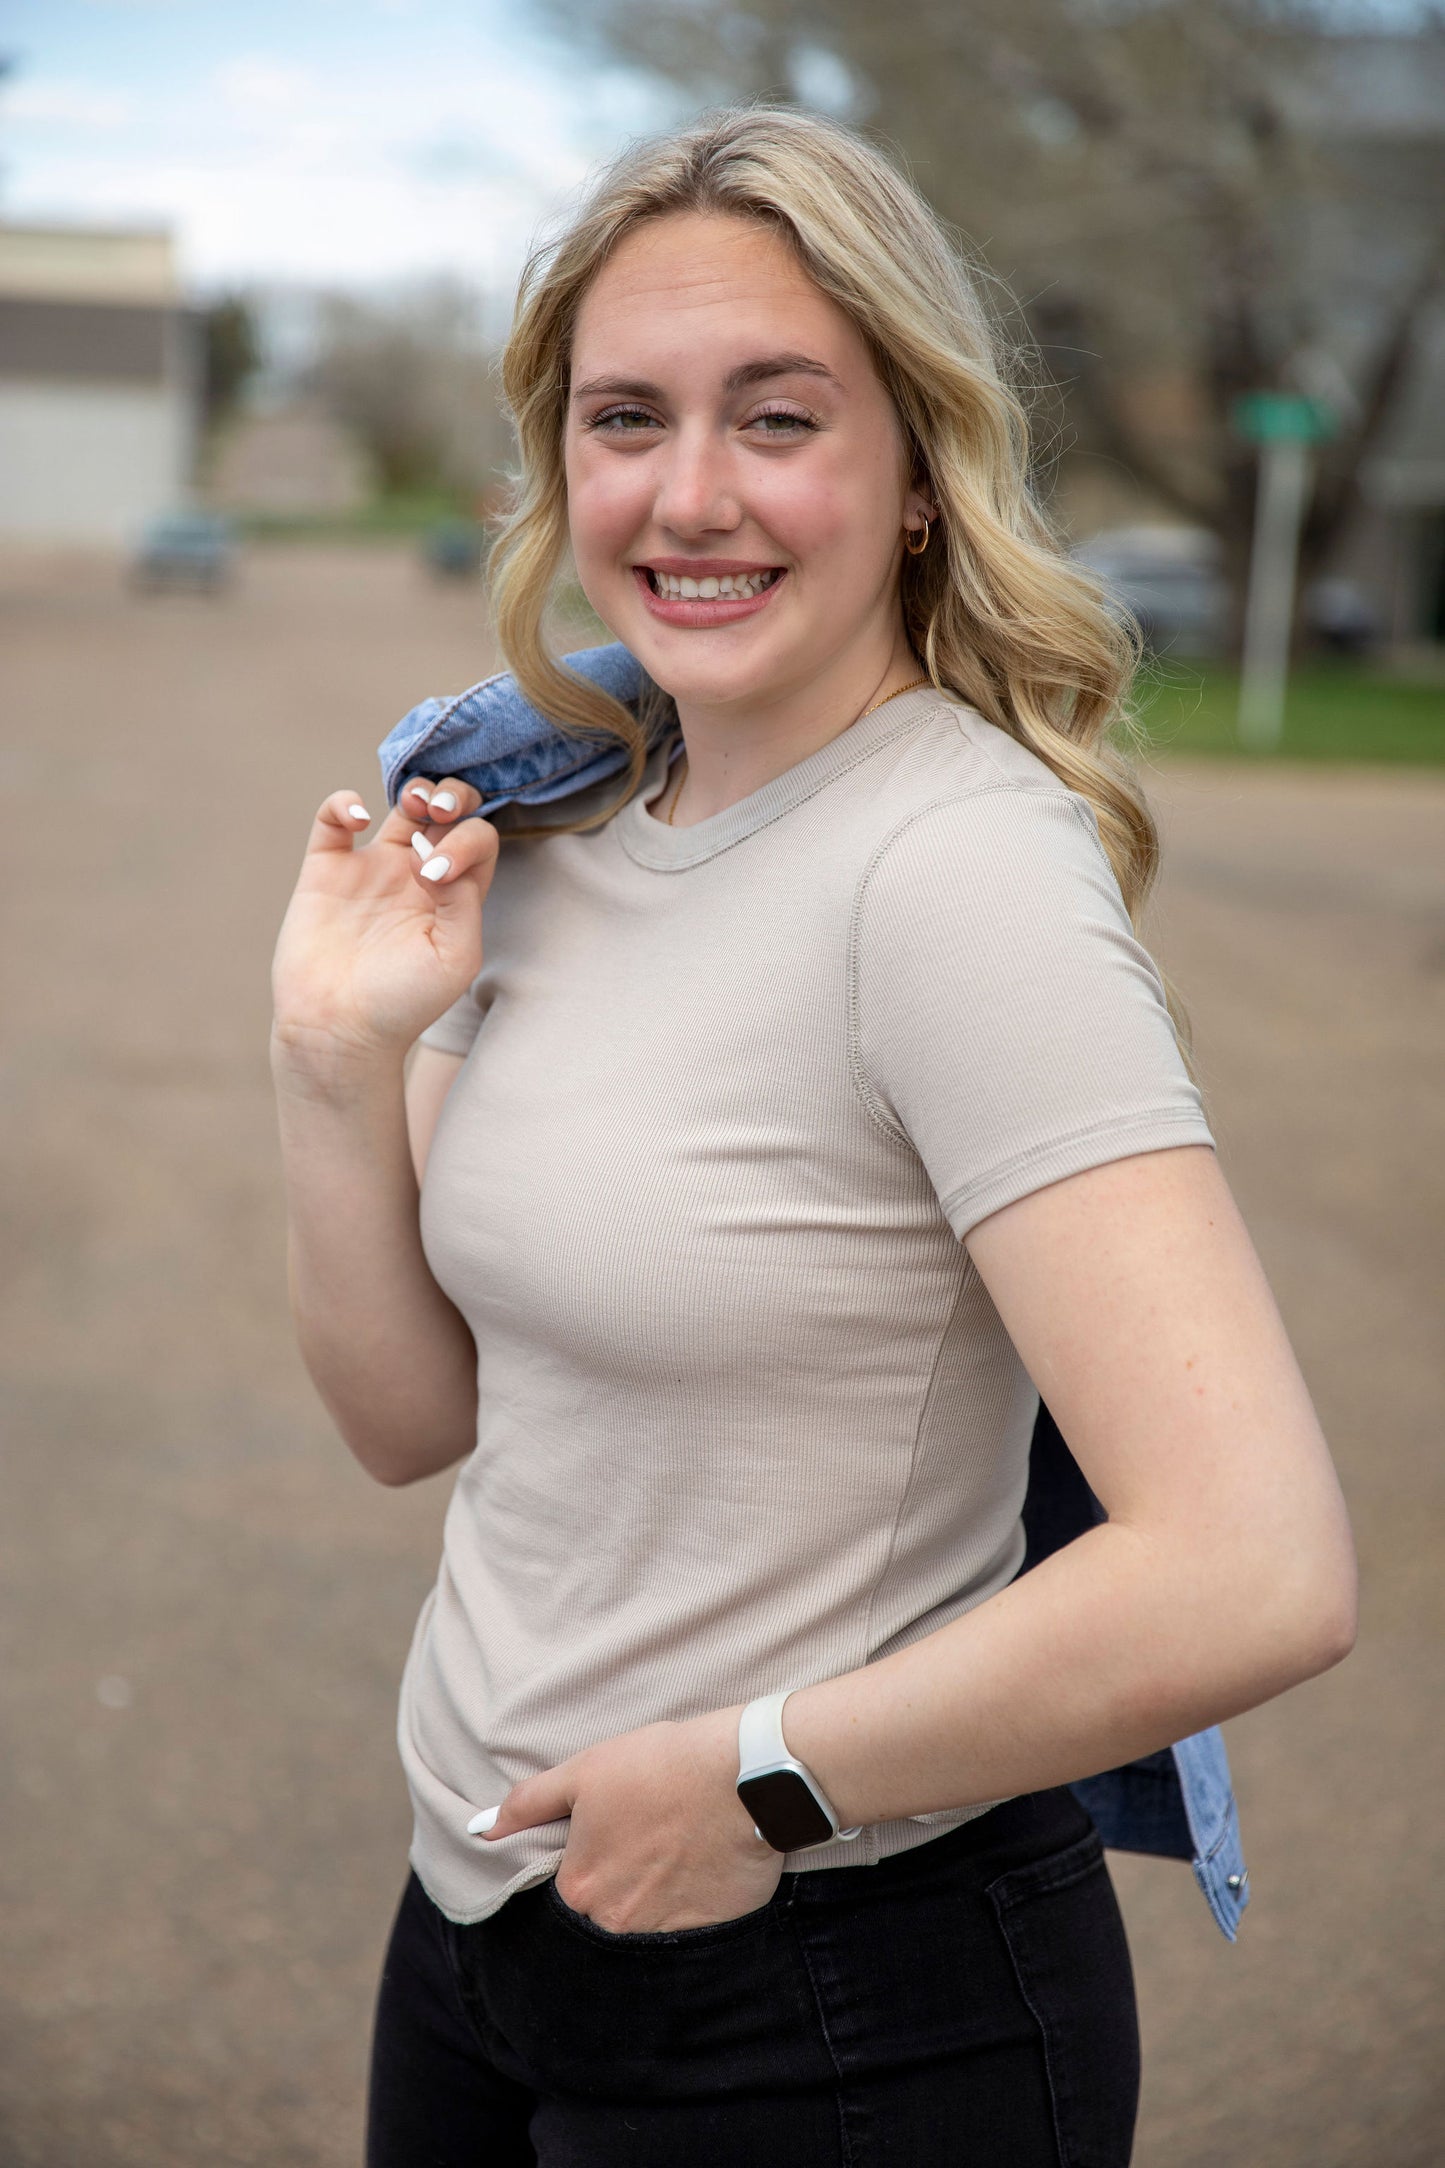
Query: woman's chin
[704, 669]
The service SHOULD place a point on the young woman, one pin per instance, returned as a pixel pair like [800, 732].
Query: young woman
[790, 1116]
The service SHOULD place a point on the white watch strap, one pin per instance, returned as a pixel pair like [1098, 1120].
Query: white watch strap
[761, 1745]
[760, 1734]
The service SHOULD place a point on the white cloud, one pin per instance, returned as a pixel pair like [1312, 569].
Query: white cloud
[443, 155]
[256, 87]
[327, 222]
[61, 103]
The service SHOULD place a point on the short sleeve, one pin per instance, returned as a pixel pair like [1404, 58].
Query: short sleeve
[456, 1027]
[1008, 1023]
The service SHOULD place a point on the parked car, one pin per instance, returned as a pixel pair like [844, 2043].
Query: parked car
[453, 549]
[1169, 579]
[1341, 617]
[185, 549]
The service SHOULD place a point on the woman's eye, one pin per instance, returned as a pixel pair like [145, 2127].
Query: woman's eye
[781, 422]
[623, 421]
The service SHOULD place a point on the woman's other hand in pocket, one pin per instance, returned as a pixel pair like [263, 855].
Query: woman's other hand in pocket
[658, 1838]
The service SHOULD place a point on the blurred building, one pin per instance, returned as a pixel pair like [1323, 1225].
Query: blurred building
[1382, 98]
[99, 382]
[1396, 547]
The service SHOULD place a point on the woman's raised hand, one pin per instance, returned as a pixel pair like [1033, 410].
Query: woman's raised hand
[378, 940]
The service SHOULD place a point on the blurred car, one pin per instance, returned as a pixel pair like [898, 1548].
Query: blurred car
[453, 549]
[1170, 579]
[185, 549]
[1340, 616]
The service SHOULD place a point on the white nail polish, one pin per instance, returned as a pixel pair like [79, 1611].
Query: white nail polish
[358, 812]
[445, 799]
[420, 845]
[435, 868]
[481, 1823]
[419, 790]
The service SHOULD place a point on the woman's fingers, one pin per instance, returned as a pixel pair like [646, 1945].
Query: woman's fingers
[441, 856]
[440, 803]
[529, 1805]
[339, 820]
[426, 817]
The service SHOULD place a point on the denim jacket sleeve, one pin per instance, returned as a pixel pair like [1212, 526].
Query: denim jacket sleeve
[1177, 1803]
[492, 738]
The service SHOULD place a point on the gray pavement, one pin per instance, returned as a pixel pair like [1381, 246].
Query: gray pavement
[206, 1606]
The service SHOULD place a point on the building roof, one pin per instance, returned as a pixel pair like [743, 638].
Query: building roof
[133, 265]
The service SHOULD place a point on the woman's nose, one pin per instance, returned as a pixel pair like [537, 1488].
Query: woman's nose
[696, 493]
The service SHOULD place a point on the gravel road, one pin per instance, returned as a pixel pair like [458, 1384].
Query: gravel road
[206, 1605]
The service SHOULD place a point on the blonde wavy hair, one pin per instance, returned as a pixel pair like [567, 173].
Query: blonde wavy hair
[997, 614]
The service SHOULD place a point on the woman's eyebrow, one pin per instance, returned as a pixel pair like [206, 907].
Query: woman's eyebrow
[616, 387]
[757, 372]
[746, 374]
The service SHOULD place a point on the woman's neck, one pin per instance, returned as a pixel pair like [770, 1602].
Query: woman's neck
[730, 753]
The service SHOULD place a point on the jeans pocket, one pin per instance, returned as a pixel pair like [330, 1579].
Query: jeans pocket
[1060, 1919]
[655, 1938]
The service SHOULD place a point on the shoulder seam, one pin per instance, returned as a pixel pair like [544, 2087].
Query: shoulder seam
[876, 1113]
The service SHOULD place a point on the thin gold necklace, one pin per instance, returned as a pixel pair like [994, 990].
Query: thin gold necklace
[681, 779]
[912, 686]
[897, 694]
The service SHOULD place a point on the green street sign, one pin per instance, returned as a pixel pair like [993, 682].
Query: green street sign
[1283, 417]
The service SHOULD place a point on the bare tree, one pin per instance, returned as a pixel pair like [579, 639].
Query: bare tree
[414, 378]
[1204, 197]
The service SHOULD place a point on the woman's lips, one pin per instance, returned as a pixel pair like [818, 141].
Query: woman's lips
[695, 614]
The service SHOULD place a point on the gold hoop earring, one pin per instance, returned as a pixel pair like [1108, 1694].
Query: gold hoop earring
[916, 549]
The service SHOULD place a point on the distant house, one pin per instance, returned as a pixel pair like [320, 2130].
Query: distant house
[1396, 549]
[1384, 97]
[99, 382]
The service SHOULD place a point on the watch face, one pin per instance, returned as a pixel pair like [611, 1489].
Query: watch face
[785, 1810]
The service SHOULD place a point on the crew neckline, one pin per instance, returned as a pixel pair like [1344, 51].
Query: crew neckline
[652, 843]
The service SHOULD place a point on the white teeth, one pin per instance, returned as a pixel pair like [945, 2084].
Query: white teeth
[678, 587]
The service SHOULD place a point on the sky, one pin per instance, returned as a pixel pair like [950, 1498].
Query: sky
[330, 142]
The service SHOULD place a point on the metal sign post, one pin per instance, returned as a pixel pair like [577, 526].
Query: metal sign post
[1284, 427]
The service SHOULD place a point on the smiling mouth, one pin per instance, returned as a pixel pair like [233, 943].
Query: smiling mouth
[711, 587]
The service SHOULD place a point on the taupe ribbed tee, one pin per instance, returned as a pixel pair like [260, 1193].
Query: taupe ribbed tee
[734, 1094]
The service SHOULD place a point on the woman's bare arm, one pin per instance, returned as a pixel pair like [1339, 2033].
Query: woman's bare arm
[370, 953]
[1225, 1572]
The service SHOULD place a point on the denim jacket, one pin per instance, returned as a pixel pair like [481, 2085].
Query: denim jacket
[1177, 1803]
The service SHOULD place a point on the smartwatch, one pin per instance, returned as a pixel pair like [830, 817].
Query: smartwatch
[789, 1808]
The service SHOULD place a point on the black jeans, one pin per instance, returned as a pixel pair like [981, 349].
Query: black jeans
[966, 2004]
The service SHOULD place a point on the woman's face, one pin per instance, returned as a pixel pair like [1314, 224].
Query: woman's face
[727, 430]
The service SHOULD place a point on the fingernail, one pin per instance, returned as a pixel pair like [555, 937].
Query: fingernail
[435, 868]
[444, 799]
[481, 1823]
[420, 845]
[418, 790]
[358, 812]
